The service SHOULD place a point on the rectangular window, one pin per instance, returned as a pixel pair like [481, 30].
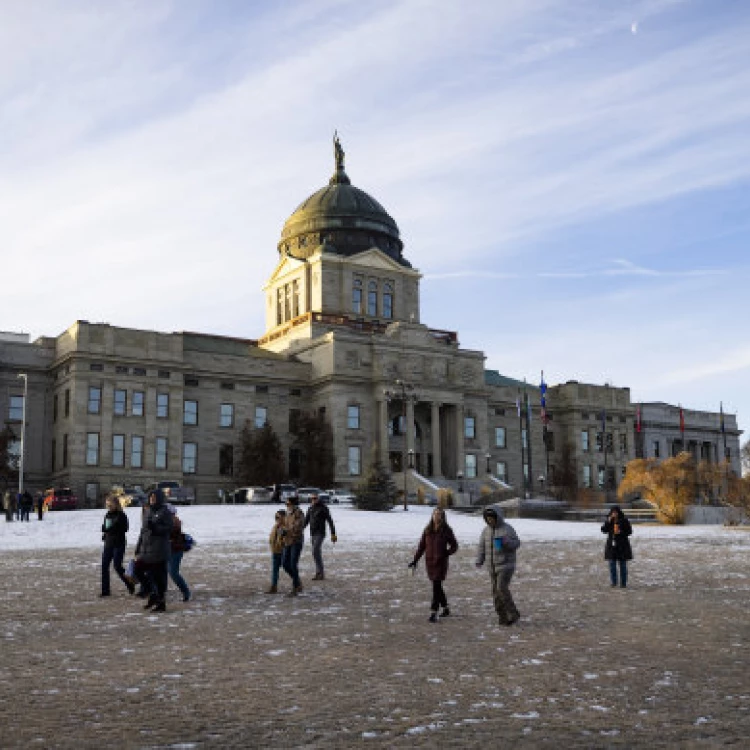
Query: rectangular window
[160, 453]
[599, 442]
[610, 442]
[162, 405]
[499, 437]
[586, 476]
[96, 367]
[65, 451]
[355, 460]
[189, 458]
[95, 399]
[352, 417]
[227, 386]
[164, 374]
[136, 452]
[92, 449]
[623, 442]
[501, 471]
[261, 389]
[118, 450]
[226, 460]
[54, 408]
[585, 441]
[657, 449]
[471, 466]
[141, 371]
[600, 477]
[372, 299]
[191, 381]
[226, 415]
[470, 427]
[261, 416]
[15, 409]
[121, 370]
[67, 402]
[295, 392]
[139, 402]
[92, 492]
[121, 401]
[190, 412]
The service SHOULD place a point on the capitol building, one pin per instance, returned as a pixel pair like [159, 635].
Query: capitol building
[344, 338]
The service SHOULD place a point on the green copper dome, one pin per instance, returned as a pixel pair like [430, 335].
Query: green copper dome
[342, 218]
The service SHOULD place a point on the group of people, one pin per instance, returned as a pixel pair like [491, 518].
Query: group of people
[498, 543]
[18, 506]
[160, 549]
[158, 552]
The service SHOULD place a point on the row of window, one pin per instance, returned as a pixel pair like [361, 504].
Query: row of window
[600, 442]
[603, 476]
[379, 300]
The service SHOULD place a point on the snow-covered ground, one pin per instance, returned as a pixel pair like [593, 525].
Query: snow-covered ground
[216, 524]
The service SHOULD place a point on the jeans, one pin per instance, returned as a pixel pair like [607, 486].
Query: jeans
[317, 552]
[275, 568]
[623, 572]
[438, 596]
[112, 555]
[290, 562]
[156, 572]
[174, 571]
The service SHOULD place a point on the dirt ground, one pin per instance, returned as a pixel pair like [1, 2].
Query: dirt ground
[354, 662]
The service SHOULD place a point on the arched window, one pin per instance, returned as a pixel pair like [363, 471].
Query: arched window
[295, 298]
[388, 300]
[357, 296]
[372, 298]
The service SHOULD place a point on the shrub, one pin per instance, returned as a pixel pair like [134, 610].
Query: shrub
[376, 491]
[445, 498]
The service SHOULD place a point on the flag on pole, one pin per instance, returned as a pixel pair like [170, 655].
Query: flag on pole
[638, 418]
[721, 417]
[543, 392]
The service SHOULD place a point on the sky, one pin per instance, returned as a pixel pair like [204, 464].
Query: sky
[570, 176]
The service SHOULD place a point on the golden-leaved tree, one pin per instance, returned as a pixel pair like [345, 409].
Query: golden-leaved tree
[670, 484]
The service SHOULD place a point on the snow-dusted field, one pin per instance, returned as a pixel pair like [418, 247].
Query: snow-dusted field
[354, 662]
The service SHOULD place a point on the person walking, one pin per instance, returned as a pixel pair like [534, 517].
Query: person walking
[498, 544]
[276, 542]
[39, 501]
[8, 505]
[114, 529]
[294, 539]
[437, 544]
[177, 550]
[617, 548]
[317, 516]
[153, 550]
[26, 504]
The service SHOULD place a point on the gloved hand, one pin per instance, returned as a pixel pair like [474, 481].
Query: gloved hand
[413, 564]
[334, 538]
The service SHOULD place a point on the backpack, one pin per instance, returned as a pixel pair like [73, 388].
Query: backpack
[188, 542]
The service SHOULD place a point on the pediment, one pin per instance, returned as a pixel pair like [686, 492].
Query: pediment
[375, 258]
[285, 266]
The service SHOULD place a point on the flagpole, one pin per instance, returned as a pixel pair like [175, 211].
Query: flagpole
[528, 437]
[545, 437]
[520, 437]
[604, 445]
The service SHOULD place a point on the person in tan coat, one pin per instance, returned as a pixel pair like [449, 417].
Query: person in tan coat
[276, 542]
[294, 540]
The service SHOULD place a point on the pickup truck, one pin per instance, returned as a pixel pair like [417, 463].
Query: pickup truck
[174, 492]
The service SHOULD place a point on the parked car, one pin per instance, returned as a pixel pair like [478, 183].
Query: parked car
[60, 498]
[253, 495]
[132, 497]
[324, 497]
[174, 492]
[304, 493]
[341, 496]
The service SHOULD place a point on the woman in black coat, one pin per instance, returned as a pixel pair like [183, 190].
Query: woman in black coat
[617, 549]
[114, 528]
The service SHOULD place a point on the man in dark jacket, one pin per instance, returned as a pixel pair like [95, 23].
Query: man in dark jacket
[617, 550]
[317, 517]
[153, 549]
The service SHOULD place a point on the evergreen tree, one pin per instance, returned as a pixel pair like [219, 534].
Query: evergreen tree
[377, 490]
[315, 442]
[261, 458]
[8, 463]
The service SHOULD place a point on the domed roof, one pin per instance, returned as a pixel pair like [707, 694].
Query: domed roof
[342, 218]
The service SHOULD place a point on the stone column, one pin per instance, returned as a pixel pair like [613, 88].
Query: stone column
[437, 469]
[460, 462]
[383, 432]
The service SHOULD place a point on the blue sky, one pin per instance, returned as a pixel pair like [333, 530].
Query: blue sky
[570, 176]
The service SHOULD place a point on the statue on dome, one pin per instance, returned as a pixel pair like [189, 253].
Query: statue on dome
[338, 152]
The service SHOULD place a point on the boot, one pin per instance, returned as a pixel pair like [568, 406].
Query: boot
[318, 577]
[446, 612]
[153, 600]
[433, 617]
[160, 606]
[272, 590]
[131, 586]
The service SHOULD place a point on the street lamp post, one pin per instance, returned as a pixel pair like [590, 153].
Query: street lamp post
[23, 430]
[405, 392]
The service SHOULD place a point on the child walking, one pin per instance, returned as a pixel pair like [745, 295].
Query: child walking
[276, 541]
[437, 544]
